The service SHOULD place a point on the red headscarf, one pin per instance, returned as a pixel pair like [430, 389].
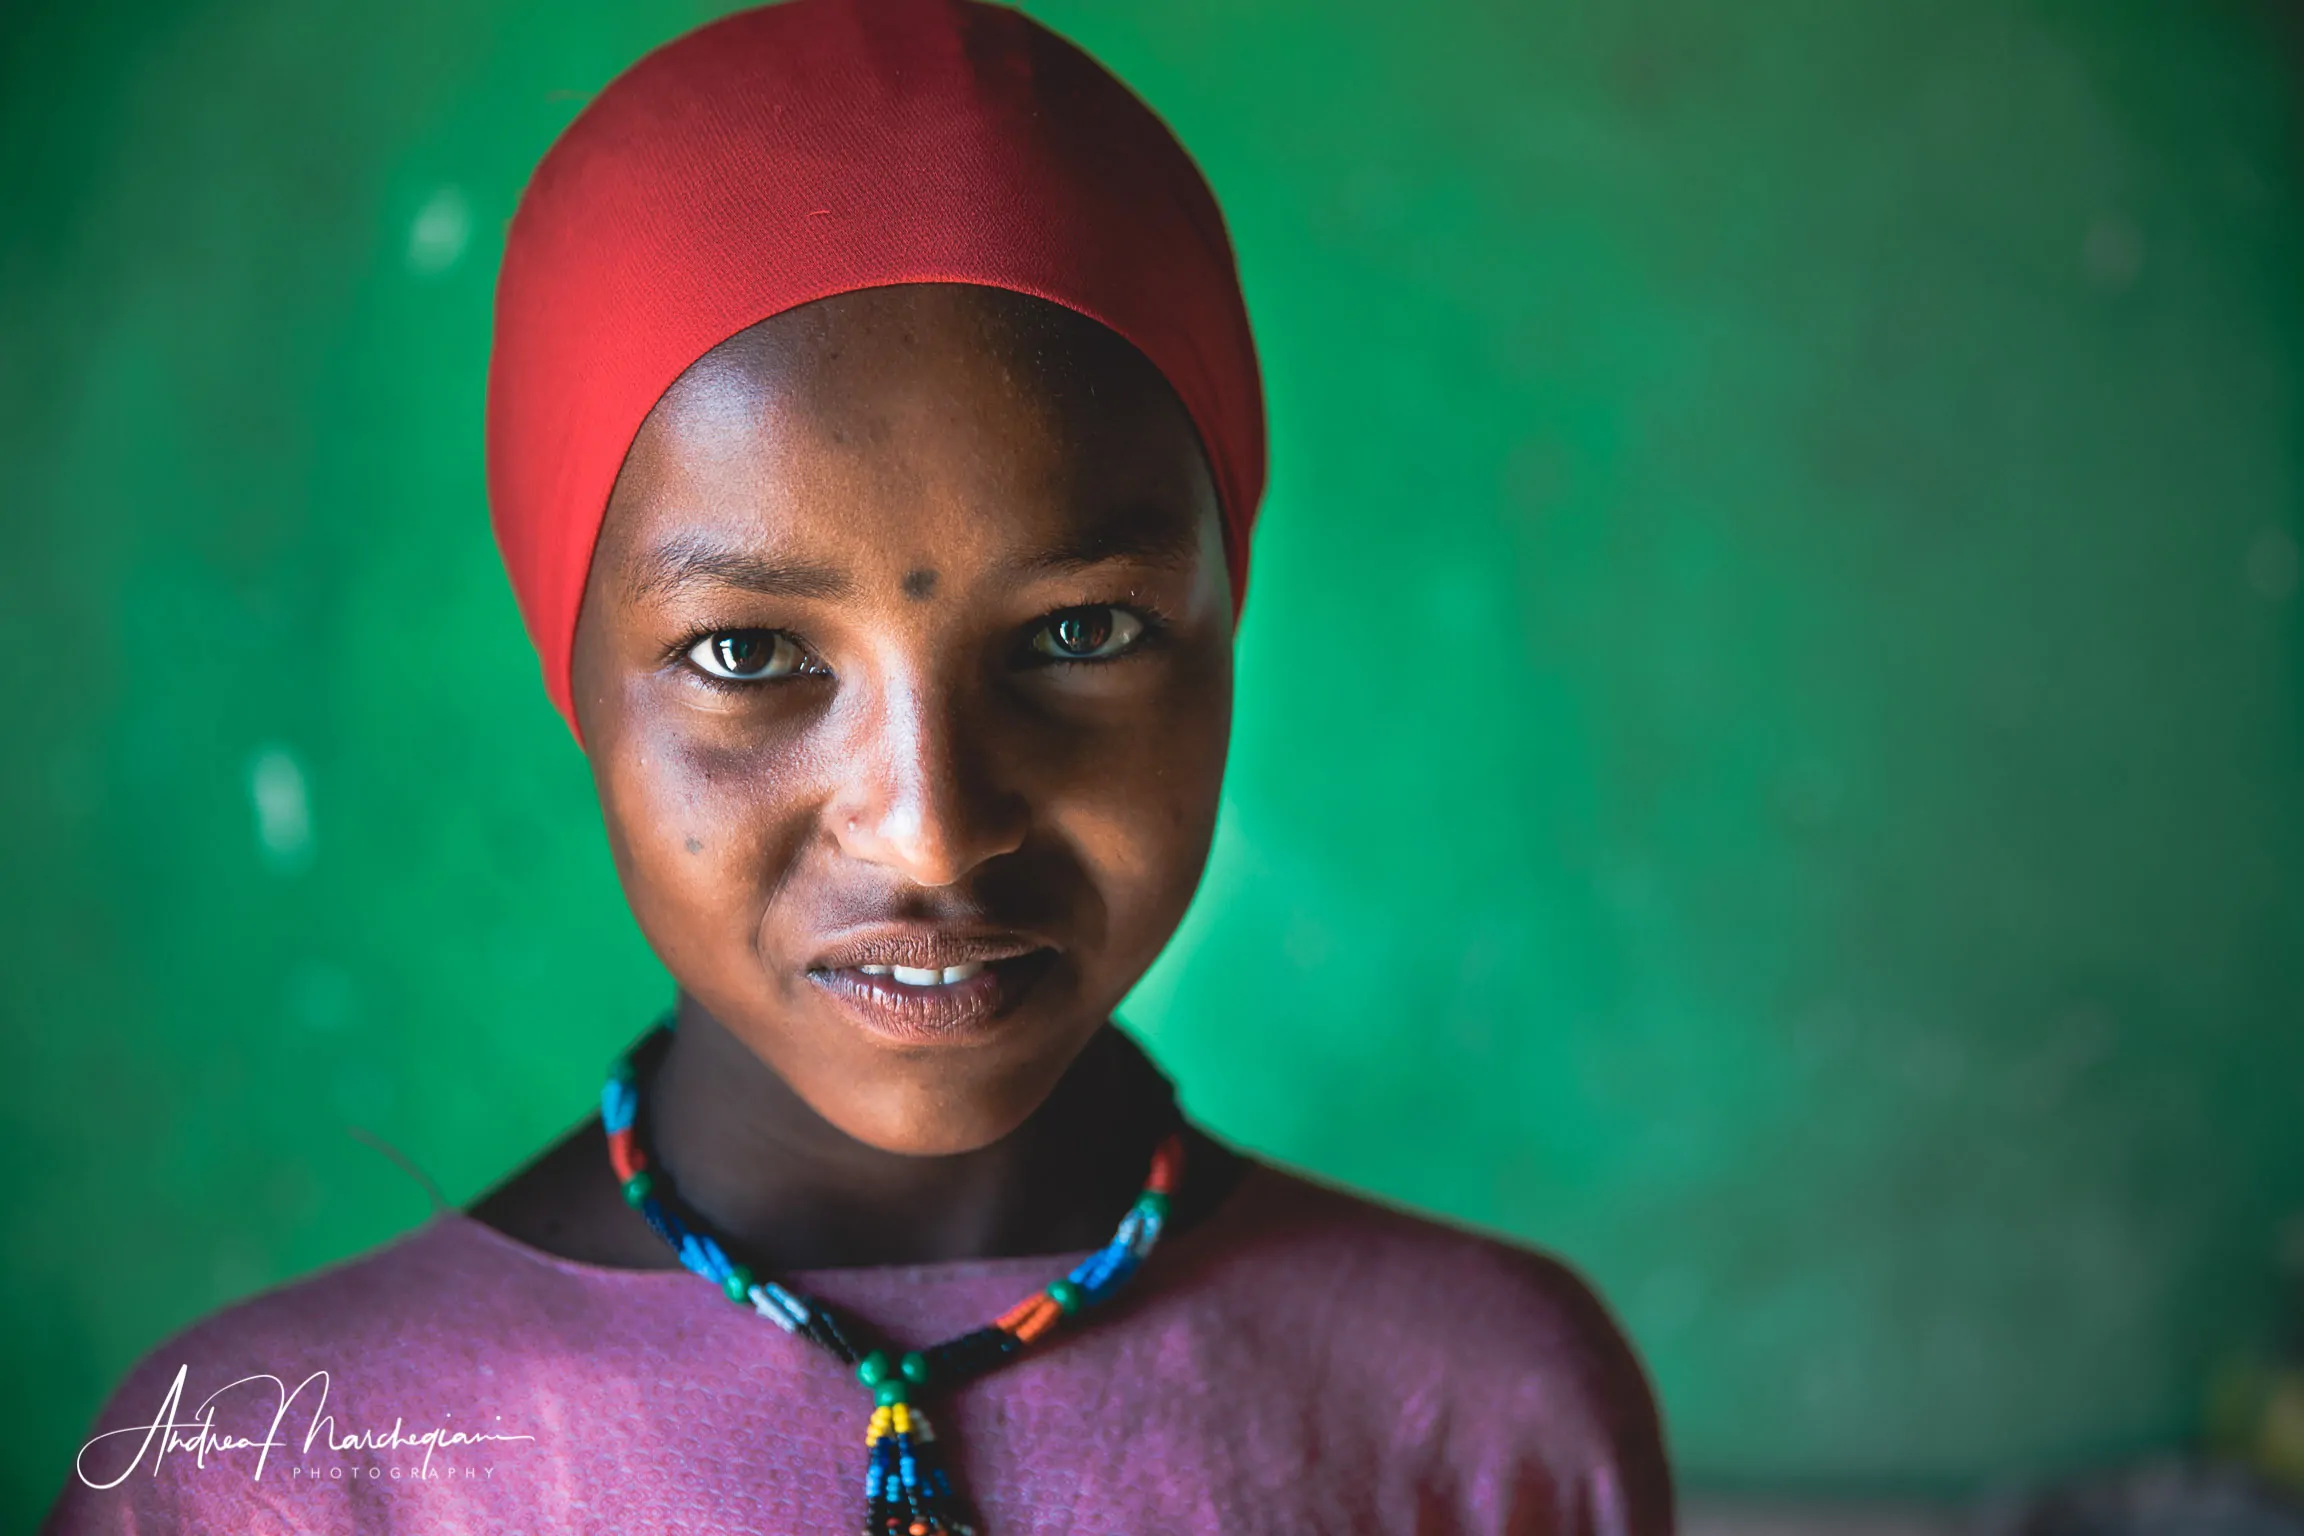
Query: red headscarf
[789, 153]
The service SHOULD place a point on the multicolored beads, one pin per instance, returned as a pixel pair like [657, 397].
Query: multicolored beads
[906, 1492]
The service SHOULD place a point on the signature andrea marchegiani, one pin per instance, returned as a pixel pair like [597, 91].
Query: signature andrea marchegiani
[263, 1416]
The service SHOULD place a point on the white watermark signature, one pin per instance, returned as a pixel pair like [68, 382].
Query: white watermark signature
[173, 1432]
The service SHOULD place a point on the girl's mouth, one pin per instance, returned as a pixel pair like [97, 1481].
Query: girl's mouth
[918, 1005]
[950, 975]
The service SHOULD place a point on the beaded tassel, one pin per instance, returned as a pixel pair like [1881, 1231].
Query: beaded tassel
[906, 1490]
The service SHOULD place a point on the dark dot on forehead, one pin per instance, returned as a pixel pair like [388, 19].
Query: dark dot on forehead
[918, 584]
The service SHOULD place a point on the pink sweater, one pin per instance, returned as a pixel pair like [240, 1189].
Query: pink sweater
[1301, 1361]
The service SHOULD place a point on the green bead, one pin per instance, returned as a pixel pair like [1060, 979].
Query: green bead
[738, 1285]
[873, 1369]
[915, 1368]
[890, 1392]
[1066, 1295]
[638, 1188]
[1152, 1203]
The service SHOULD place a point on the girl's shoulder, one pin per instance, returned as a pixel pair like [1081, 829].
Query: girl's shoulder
[1379, 1265]
[451, 1277]
[1483, 1351]
[215, 1428]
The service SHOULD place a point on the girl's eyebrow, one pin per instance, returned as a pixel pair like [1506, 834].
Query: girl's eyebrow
[1147, 541]
[681, 563]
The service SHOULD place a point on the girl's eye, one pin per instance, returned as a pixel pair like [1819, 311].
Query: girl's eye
[1088, 634]
[748, 655]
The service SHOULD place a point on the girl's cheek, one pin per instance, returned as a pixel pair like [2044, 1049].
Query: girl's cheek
[683, 814]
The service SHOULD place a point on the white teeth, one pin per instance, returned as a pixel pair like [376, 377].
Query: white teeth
[926, 976]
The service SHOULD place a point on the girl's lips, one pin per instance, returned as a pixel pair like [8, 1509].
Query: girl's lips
[899, 1003]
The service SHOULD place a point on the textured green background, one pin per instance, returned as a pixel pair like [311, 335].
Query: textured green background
[1769, 753]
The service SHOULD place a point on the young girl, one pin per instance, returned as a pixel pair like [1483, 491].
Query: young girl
[874, 437]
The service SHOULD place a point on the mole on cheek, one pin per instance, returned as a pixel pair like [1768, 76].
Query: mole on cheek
[695, 845]
[918, 584]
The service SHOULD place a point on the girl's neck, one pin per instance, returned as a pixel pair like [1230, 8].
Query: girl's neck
[791, 1191]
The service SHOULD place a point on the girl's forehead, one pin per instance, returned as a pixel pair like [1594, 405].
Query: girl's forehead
[943, 383]
[878, 340]
[910, 427]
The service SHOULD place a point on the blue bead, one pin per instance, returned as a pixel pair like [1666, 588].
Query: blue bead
[695, 1257]
[1099, 1269]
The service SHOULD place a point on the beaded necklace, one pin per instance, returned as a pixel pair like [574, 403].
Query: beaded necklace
[906, 1490]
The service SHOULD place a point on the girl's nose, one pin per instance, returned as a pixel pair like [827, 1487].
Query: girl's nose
[917, 795]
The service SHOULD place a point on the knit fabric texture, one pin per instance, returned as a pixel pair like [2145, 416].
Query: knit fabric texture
[1301, 1361]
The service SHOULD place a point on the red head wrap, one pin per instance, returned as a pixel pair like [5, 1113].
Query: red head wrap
[790, 153]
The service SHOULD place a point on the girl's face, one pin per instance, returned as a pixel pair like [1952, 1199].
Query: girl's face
[905, 670]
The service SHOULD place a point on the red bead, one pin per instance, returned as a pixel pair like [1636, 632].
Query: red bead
[623, 1156]
[1167, 1166]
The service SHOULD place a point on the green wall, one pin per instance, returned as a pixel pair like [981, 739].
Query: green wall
[1768, 760]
